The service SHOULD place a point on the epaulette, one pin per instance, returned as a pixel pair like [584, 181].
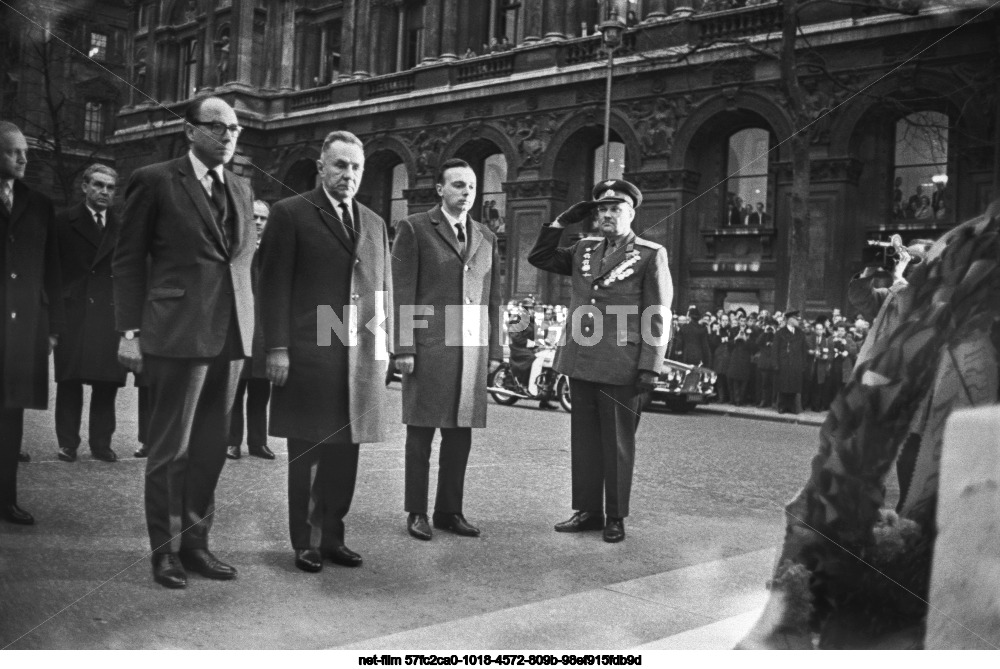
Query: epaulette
[648, 244]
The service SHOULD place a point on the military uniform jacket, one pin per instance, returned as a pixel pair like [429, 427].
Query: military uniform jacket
[88, 350]
[603, 341]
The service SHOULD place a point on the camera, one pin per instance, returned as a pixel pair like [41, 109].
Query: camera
[880, 253]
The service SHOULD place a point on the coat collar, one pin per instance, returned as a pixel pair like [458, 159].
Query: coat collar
[199, 198]
[21, 194]
[331, 219]
[620, 254]
[444, 229]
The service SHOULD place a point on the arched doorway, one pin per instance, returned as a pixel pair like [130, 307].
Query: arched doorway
[300, 178]
[490, 165]
[385, 179]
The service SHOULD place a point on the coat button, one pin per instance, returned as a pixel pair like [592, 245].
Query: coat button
[13, 315]
[13, 275]
[355, 296]
[466, 268]
[593, 301]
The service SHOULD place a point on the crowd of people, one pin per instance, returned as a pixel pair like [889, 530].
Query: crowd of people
[759, 356]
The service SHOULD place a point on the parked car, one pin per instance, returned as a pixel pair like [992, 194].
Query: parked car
[681, 387]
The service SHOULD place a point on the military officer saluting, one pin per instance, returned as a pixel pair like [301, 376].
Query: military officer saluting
[613, 349]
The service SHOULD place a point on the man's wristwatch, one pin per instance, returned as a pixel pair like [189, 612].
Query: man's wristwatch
[131, 334]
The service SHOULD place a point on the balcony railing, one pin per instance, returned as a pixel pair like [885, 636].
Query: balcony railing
[309, 99]
[390, 85]
[485, 68]
[734, 24]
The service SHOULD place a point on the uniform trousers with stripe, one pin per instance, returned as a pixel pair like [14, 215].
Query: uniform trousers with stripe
[602, 445]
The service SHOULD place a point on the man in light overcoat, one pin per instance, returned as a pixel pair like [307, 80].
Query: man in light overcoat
[446, 272]
[325, 304]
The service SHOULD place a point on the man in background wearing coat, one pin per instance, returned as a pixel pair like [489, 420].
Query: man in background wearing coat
[619, 327]
[88, 352]
[790, 356]
[253, 381]
[326, 300]
[184, 306]
[446, 271]
[29, 305]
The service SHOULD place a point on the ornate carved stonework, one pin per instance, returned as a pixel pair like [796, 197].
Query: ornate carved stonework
[591, 93]
[531, 134]
[825, 169]
[655, 122]
[519, 190]
[665, 180]
[427, 144]
[384, 122]
[421, 196]
[733, 71]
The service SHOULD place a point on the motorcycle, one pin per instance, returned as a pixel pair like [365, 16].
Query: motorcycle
[548, 385]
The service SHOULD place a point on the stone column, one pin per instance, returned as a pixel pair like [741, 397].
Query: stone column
[210, 75]
[531, 204]
[241, 43]
[287, 67]
[347, 50]
[362, 47]
[432, 31]
[532, 21]
[555, 20]
[681, 9]
[449, 30]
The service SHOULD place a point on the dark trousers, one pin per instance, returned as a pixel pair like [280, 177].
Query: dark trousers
[788, 403]
[737, 391]
[143, 419]
[765, 387]
[11, 434]
[602, 445]
[258, 392]
[69, 411]
[453, 457]
[191, 403]
[321, 482]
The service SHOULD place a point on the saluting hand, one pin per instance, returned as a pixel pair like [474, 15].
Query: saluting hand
[578, 212]
[277, 366]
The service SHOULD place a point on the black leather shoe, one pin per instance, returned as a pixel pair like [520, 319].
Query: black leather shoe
[142, 451]
[23, 457]
[418, 526]
[614, 531]
[582, 521]
[104, 454]
[343, 556]
[308, 559]
[201, 561]
[455, 522]
[66, 455]
[168, 572]
[262, 452]
[15, 514]
[233, 452]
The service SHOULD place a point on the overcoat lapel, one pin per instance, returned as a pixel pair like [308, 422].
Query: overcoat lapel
[443, 228]
[85, 226]
[20, 205]
[620, 256]
[108, 237]
[235, 193]
[324, 210]
[475, 239]
[200, 199]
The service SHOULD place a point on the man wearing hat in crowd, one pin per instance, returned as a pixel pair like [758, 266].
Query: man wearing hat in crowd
[694, 345]
[616, 339]
[790, 357]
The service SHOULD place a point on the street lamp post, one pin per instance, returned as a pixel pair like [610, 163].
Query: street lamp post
[611, 37]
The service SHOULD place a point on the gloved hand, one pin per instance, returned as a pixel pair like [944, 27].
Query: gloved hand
[646, 381]
[580, 211]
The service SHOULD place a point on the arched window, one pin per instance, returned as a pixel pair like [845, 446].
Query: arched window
[745, 201]
[616, 161]
[93, 122]
[187, 82]
[410, 37]
[920, 179]
[398, 206]
[494, 213]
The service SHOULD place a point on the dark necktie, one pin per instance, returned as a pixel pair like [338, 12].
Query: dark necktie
[460, 233]
[220, 205]
[99, 217]
[345, 217]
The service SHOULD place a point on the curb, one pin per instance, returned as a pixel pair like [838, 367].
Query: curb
[735, 412]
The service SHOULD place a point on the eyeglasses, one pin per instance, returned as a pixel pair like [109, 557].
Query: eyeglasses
[219, 129]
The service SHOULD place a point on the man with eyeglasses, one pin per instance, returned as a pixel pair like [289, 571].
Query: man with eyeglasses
[184, 306]
[618, 330]
[88, 352]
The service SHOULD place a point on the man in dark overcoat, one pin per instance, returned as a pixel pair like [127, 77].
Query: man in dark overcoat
[184, 305]
[618, 332]
[254, 385]
[790, 354]
[29, 305]
[446, 272]
[88, 351]
[693, 341]
[326, 300]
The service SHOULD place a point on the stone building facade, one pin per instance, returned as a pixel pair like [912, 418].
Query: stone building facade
[902, 101]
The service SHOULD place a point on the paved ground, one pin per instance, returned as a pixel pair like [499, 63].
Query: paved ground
[706, 518]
